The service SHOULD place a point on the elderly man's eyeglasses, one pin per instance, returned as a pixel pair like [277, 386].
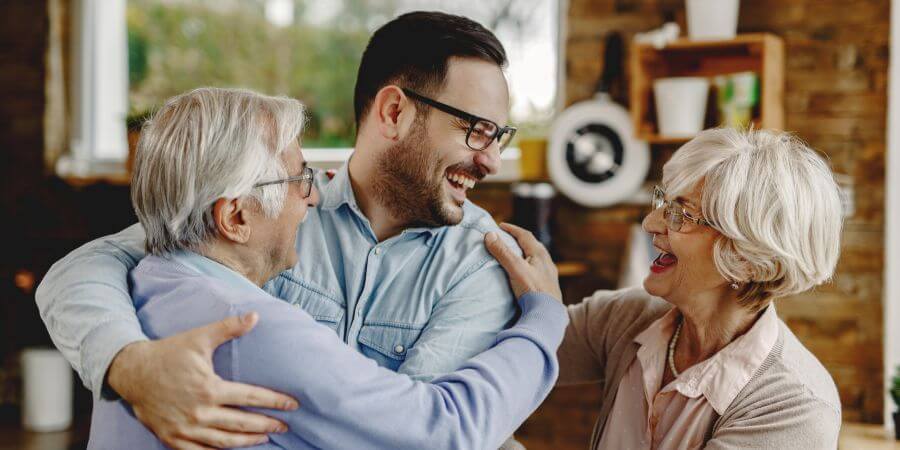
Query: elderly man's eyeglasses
[481, 131]
[305, 179]
[674, 212]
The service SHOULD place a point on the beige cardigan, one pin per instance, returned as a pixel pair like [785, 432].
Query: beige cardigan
[790, 402]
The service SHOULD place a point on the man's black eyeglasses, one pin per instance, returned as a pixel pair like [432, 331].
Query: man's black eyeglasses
[305, 178]
[481, 131]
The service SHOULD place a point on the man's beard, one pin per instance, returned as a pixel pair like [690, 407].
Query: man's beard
[408, 183]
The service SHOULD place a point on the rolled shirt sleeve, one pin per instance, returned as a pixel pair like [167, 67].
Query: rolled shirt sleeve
[84, 302]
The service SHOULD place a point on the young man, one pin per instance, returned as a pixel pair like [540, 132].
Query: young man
[394, 257]
[220, 186]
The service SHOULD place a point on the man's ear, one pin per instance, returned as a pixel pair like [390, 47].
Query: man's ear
[231, 215]
[393, 112]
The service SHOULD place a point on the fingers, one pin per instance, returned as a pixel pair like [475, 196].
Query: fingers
[239, 394]
[187, 445]
[214, 334]
[223, 439]
[529, 244]
[238, 421]
[511, 262]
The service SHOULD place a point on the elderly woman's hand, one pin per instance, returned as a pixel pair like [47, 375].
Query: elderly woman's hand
[536, 272]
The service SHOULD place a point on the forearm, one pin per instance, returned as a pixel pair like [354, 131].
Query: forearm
[349, 402]
[85, 305]
[497, 390]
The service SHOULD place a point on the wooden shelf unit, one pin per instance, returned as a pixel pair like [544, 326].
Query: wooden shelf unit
[762, 53]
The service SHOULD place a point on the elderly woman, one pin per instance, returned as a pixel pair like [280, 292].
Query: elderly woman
[698, 357]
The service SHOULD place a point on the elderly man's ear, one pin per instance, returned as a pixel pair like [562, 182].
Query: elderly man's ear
[232, 217]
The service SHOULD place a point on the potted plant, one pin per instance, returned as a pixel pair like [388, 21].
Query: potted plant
[895, 394]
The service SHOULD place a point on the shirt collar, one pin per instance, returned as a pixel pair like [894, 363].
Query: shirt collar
[339, 191]
[721, 377]
[205, 266]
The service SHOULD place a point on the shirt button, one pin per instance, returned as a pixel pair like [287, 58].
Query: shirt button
[377, 250]
[399, 349]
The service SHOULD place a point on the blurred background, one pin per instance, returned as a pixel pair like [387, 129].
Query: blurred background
[77, 77]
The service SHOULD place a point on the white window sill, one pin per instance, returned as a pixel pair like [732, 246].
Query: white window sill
[85, 172]
[81, 172]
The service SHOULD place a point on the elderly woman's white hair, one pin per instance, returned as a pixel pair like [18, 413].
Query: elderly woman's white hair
[207, 144]
[775, 202]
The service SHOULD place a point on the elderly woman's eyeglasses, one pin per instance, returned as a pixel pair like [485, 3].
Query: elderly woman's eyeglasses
[674, 212]
[481, 131]
[305, 179]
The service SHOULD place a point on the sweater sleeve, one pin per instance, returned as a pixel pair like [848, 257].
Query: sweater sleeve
[583, 355]
[800, 422]
[347, 401]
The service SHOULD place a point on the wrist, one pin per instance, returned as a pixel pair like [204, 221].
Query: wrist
[122, 368]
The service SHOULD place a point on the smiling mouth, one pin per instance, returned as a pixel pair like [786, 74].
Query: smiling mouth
[663, 262]
[461, 180]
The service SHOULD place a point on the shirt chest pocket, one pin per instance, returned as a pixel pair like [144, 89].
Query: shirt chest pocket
[322, 307]
[387, 345]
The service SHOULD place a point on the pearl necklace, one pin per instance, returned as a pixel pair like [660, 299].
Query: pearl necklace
[672, 344]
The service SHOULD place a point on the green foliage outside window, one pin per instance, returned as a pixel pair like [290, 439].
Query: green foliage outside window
[178, 46]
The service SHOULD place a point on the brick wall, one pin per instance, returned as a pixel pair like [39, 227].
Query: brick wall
[836, 77]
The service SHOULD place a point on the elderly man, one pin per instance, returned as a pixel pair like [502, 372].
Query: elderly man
[400, 274]
[220, 186]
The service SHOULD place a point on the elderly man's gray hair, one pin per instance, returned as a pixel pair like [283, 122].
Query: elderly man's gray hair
[204, 145]
[774, 200]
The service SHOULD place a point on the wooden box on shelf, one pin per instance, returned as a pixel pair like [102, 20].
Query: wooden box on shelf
[761, 53]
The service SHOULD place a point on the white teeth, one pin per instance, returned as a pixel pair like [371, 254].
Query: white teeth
[463, 180]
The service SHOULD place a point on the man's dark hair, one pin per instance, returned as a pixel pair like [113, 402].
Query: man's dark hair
[412, 51]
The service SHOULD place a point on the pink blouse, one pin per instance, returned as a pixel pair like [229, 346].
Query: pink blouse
[681, 414]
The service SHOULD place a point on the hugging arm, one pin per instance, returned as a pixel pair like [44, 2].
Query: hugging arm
[350, 402]
[85, 303]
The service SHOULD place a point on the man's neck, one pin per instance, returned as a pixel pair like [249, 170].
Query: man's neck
[251, 267]
[362, 171]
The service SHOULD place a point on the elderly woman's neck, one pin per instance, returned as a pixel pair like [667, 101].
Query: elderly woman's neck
[711, 324]
[242, 260]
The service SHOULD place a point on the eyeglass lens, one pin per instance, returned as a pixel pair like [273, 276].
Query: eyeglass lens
[674, 217]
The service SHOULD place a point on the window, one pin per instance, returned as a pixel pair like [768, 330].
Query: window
[98, 84]
[304, 49]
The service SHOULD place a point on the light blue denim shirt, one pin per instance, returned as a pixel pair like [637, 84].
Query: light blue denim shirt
[420, 303]
[347, 401]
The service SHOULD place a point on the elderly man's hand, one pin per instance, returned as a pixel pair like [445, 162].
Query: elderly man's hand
[175, 393]
[536, 272]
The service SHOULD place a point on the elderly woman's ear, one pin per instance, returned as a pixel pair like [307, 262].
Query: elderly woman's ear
[231, 217]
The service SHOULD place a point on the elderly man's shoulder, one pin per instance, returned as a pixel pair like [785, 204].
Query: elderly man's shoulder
[162, 281]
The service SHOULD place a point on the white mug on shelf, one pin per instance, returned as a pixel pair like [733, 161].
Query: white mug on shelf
[712, 19]
[46, 390]
[680, 105]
